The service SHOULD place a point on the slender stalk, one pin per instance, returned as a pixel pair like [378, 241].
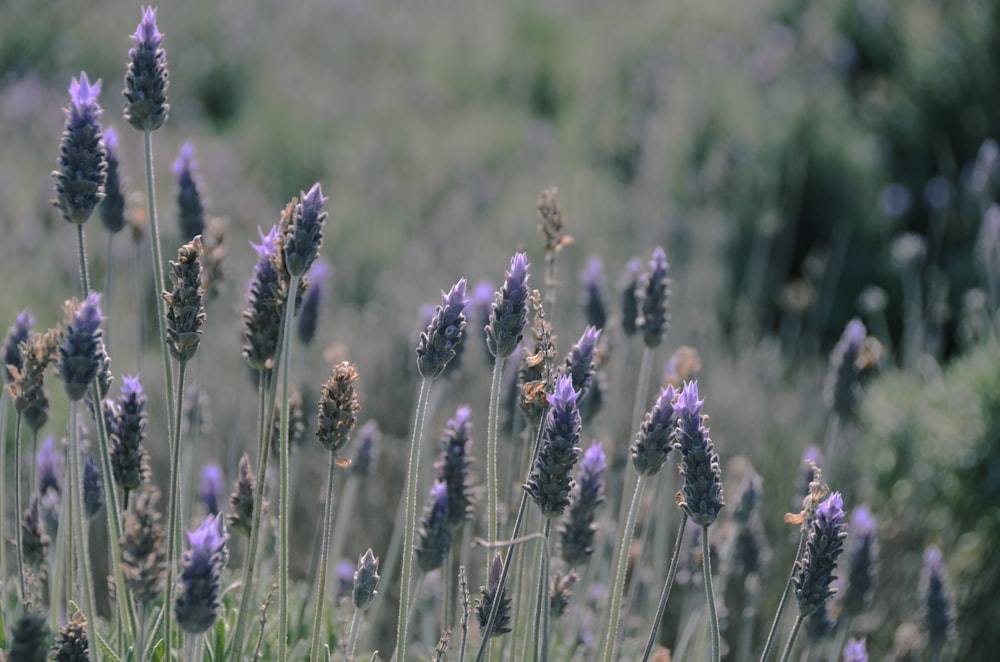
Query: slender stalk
[621, 564]
[86, 576]
[344, 508]
[19, 549]
[784, 598]
[352, 637]
[173, 526]
[791, 638]
[140, 639]
[283, 462]
[463, 584]
[392, 558]
[641, 388]
[81, 253]
[108, 272]
[710, 596]
[667, 585]
[4, 409]
[541, 605]
[411, 518]
[324, 562]
[492, 479]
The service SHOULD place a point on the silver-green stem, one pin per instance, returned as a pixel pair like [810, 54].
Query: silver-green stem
[344, 508]
[324, 562]
[108, 272]
[492, 479]
[784, 598]
[173, 526]
[710, 596]
[140, 635]
[283, 462]
[4, 408]
[352, 637]
[541, 604]
[392, 558]
[661, 607]
[86, 576]
[81, 253]
[19, 548]
[791, 638]
[412, 474]
[621, 564]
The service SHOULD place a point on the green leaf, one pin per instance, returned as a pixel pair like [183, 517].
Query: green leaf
[110, 654]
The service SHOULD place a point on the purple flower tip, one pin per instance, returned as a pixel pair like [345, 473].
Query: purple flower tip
[439, 494]
[519, 267]
[25, 320]
[813, 454]
[688, 403]
[110, 140]
[482, 294]
[863, 521]
[659, 261]
[595, 270]
[461, 416]
[933, 557]
[319, 272]
[82, 93]
[588, 341]
[564, 395]
[855, 332]
[594, 461]
[90, 311]
[208, 537]
[131, 386]
[855, 651]
[185, 159]
[455, 296]
[314, 198]
[832, 508]
[267, 246]
[147, 32]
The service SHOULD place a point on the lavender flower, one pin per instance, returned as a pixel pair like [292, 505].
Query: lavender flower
[481, 305]
[16, 335]
[862, 563]
[308, 322]
[27, 387]
[112, 208]
[147, 78]
[29, 638]
[701, 495]
[338, 408]
[49, 463]
[369, 440]
[938, 609]
[93, 488]
[199, 586]
[825, 542]
[812, 459]
[629, 285]
[510, 310]
[185, 302]
[82, 350]
[34, 538]
[263, 314]
[592, 281]
[437, 345]
[579, 363]
[241, 500]
[842, 386]
[501, 623]
[652, 295]
[751, 553]
[435, 530]
[550, 480]
[453, 468]
[855, 651]
[654, 441]
[211, 488]
[126, 433]
[577, 536]
[71, 642]
[144, 556]
[82, 161]
[365, 580]
[189, 192]
[302, 231]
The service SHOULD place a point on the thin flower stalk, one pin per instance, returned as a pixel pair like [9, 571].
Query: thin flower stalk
[661, 607]
[86, 572]
[324, 562]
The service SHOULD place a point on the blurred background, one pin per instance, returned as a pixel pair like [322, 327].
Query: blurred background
[801, 164]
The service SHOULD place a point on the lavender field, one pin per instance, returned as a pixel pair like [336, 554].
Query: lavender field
[499, 331]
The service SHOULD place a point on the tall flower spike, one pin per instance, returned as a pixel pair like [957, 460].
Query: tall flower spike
[453, 468]
[434, 538]
[16, 335]
[654, 441]
[814, 572]
[93, 488]
[937, 607]
[34, 538]
[550, 480]
[629, 284]
[211, 488]
[437, 345]
[701, 495]
[365, 580]
[501, 623]
[82, 159]
[30, 638]
[842, 386]
[560, 592]
[189, 193]
[579, 364]
[240, 517]
[338, 408]
[185, 302]
[112, 208]
[147, 78]
[653, 294]
[369, 440]
[266, 301]
[751, 553]
[82, 348]
[862, 562]
[50, 464]
[199, 585]
[127, 432]
[302, 231]
[308, 322]
[577, 535]
[509, 311]
[71, 642]
[27, 387]
[592, 280]
[144, 556]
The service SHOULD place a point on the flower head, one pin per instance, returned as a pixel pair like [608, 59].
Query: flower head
[369, 440]
[112, 208]
[701, 496]
[453, 467]
[437, 345]
[50, 463]
[824, 544]
[265, 306]
[147, 78]
[302, 231]
[509, 311]
[189, 194]
[435, 530]
[16, 335]
[862, 562]
[93, 488]
[338, 408]
[630, 302]
[592, 280]
[938, 608]
[501, 623]
[144, 555]
[34, 538]
[82, 349]
[652, 295]
[654, 440]
[577, 536]
[241, 501]
[127, 432]
[308, 322]
[550, 481]
[82, 160]
[199, 584]
[185, 302]
[843, 383]
[211, 488]
[365, 580]
[29, 638]
[579, 363]
[71, 642]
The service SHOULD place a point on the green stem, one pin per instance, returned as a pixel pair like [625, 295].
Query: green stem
[19, 548]
[621, 564]
[667, 585]
[352, 638]
[140, 635]
[283, 462]
[108, 272]
[81, 253]
[710, 596]
[411, 518]
[492, 479]
[541, 604]
[343, 518]
[173, 526]
[784, 598]
[324, 558]
[4, 410]
[791, 638]
[86, 576]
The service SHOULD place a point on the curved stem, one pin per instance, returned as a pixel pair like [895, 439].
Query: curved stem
[285, 514]
[667, 585]
[621, 564]
[710, 595]
[492, 479]
[86, 576]
[352, 638]
[791, 639]
[324, 558]
[173, 526]
[784, 599]
[411, 518]
[19, 547]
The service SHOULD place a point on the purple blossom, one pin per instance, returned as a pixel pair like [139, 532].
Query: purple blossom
[592, 280]
[855, 651]
[147, 78]
[510, 309]
[550, 481]
[211, 488]
[303, 231]
[199, 584]
[319, 275]
[438, 344]
[82, 349]
[653, 295]
[655, 438]
[82, 161]
[189, 194]
[16, 335]
[50, 463]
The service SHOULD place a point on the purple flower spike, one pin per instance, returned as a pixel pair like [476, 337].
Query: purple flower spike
[550, 481]
[842, 387]
[509, 313]
[147, 78]
[199, 584]
[825, 542]
[453, 467]
[83, 95]
[302, 231]
[938, 608]
[189, 194]
[855, 651]
[701, 496]
[654, 441]
[264, 312]
[435, 530]
[16, 335]
[630, 302]
[653, 295]
[438, 344]
[319, 275]
[592, 280]
[112, 209]
[50, 461]
[82, 348]
[862, 562]
[577, 536]
[82, 161]
[212, 488]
